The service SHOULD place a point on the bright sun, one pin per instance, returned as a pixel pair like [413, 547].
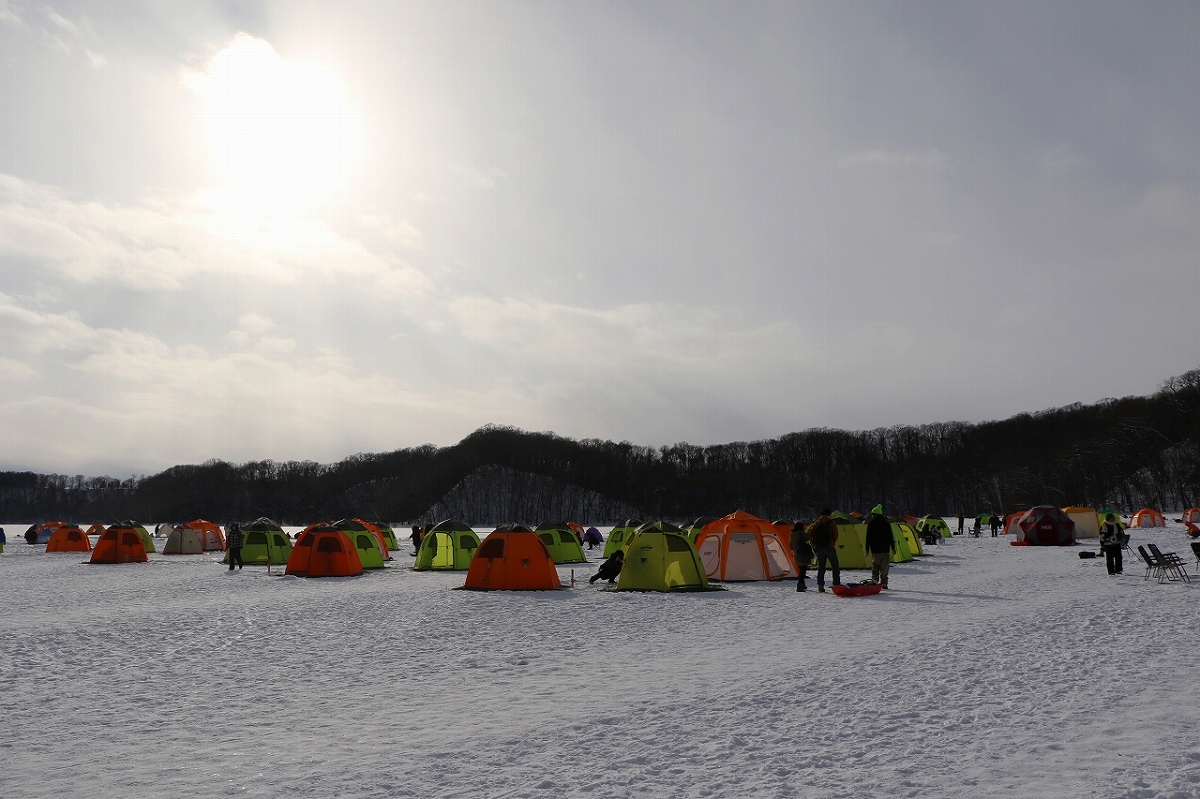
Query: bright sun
[283, 135]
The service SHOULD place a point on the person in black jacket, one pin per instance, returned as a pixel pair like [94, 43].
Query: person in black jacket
[880, 545]
[823, 535]
[610, 569]
[233, 542]
[802, 551]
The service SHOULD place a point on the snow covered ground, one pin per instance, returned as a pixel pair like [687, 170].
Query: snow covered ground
[989, 671]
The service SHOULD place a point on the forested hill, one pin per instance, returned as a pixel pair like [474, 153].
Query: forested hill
[1126, 453]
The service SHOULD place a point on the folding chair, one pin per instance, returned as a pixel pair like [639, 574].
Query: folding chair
[1152, 567]
[1125, 545]
[1171, 564]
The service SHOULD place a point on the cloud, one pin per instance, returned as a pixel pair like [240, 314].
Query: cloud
[931, 159]
[16, 371]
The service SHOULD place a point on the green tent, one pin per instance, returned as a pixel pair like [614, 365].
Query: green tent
[143, 534]
[693, 528]
[934, 523]
[620, 536]
[263, 542]
[561, 541]
[370, 553]
[852, 541]
[659, 557]
[389, 536]
[448, 546]
[911, 539]
[1101, 514]
[353, 527]
[903, 552]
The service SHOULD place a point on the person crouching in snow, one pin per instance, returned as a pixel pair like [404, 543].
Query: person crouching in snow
[802, 552]
[880, 544]
[610, 569]
[1112, 540]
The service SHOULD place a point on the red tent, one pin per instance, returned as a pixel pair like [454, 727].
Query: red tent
[1045, 526]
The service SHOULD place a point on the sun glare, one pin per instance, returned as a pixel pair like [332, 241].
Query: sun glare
[283, 135]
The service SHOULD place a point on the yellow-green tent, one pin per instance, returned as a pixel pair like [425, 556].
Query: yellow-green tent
[620, 536]
[560, 539]
[659, 557]
[448, 546]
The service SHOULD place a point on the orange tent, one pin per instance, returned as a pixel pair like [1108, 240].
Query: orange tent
[210, 534]
[119, 545]
[1010, 522]
[578, 530]
[324, 551]
[68, 538]
[741, 546]
[512, 558]
[96, 529]
[1192, 516]
[1147, 517]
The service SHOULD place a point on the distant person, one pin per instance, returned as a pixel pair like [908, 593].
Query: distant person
[234, 541]
[880, 545]
[593, 537]
[978, 526]
[802, 551]
[823, 535]
[610, 569]
[1112, 541]
[995, 525]
[416, 539]
[960, 524]
[3, 540]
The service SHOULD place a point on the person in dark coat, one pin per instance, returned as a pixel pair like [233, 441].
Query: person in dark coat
[823, 535]
[1112, 539]
[610, 569]
[233, 542]
[802, 552]
[880, 545]
[416, 539]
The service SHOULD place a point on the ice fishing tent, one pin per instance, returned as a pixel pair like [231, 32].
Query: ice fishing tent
[369, 545]
[68, 538]
[324, 551]
[96, 529]
[1010, 522]
[1087, 523]
[693, 528]
[183, 541]
[1045, 526]
[620, 535]
[512, 558]
[448, 546]
[211, 537]
[743, 547]
[384, 531]
[659, 557]
[561, 542]
[44, 532]
[119, 544]
[263, 542]
[592, 536]
[934, 524]
[851, 545]
[1191, 516]
[905, 538]
[1147, 517]
[142, 532]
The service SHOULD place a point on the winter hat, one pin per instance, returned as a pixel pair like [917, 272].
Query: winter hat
[877, 510]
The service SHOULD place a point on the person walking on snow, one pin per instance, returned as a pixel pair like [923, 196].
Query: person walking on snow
[823, 535]
[880, 544]
[1112, 540]
[802, 552]
[233, 542]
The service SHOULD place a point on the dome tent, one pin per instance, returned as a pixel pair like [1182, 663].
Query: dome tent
[1010, 522]
[743, 547]
[1191, 516]
[448, 546]
[183, 541]
[561, 542]
[263, 543]
[512, 558]
[619, 536]
[365, 537]
[935, 524]
[96, 529]
[324, 551]
[852, 542]
[142, 532]
[1045, 525]
[659, 557]
[68, 538]
[42, 533]
[119, 544]
[693, 528]
[1148, 517]
[1087, 522]
[211, 537]
[902, 531]
[383, 531]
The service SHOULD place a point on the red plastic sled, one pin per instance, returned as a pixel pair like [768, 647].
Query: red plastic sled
[860, 589]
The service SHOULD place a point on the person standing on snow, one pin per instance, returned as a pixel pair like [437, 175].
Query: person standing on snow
[880, 544]
[823, 535]
[802, 552]
[1112, 540]
[233, 542]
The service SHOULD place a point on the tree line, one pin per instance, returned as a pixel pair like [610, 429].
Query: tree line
[1124, 453]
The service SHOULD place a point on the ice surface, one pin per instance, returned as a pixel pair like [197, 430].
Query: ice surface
[989, 671]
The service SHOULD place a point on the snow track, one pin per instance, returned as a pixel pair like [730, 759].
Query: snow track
[990, 671]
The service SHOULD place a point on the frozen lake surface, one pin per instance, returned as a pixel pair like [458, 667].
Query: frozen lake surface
[989, 671]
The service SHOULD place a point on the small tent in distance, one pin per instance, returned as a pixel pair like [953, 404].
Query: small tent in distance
[1148, 517]
[934, 524]
[263, 543]
[561, 542]
[512, 558]
[1191, 516]
[1087, 523]
[383, 531]
[743, 547]
[211, 537]
[448, 546]
[1045, 526]
[143, 533]
[183, 541]
[324, 551]
[119, 544]
[620, 535]
[908, 543]
[68, 538]
[372, 549]
[659, 557]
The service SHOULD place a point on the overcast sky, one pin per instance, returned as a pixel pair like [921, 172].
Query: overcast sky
[301, 231]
